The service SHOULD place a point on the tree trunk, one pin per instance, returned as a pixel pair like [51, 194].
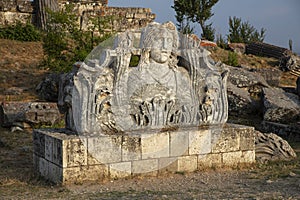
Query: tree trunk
[41, 9]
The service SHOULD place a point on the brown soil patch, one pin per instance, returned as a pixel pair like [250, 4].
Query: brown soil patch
[19, 72]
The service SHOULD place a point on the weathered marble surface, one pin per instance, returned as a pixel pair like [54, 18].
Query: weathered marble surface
[109, 96]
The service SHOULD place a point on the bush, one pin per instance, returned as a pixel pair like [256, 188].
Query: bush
[21, 32]
[221, 42]
[232, 59]
[65, 43]
[244, 32]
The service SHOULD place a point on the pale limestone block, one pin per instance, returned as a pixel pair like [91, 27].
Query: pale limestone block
[140, 16]
[179, 143]
[120, 170]
[155, 145]
[85, 173]
[145, 166]
[199, 142]
[74, 152]
[209, 161]
[166, 165]
[131, 148]
[227, 141]
[231, 159]
[248, 157]
[105, 149]
[187, 163]
[55, 173]
[247, 140]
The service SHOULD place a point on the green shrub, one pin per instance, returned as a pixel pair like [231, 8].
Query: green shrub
[232, 59]
[21, 32]
[221, 42]
[65, 44]
[244, 32]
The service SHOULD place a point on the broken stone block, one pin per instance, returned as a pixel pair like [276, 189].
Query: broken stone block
[271, 147]
[280, 106]
[33, 113]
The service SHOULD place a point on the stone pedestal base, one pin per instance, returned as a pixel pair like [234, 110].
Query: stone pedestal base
[64, 158]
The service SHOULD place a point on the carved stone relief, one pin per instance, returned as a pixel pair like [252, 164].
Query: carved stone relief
[174, 84]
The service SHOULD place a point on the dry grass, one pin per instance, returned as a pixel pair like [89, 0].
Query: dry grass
[256, 62]
[19, 72]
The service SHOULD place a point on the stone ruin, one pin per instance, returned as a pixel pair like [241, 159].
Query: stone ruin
[118, 19]
[165, 115]
[158, 93]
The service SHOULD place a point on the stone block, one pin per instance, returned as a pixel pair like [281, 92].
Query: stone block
[105, 149]
[140, 16]
[131, 148]
[248, 157]
[209, 161]
[74, 152]
[166, 165]
[145, 167]
[227, 140]
[43, 167]
[246, 140]
[200, 142]
[231, 159]
[187, 163]
[55, 173]
[85, 173]
[120, 170]
[38, 143]
[155, 145]
[179, 143]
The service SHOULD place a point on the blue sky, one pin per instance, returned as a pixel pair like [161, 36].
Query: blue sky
[281, 18]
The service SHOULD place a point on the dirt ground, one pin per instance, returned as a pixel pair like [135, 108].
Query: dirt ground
[279, 180]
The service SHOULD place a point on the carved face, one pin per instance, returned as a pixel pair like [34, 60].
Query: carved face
[161, 47]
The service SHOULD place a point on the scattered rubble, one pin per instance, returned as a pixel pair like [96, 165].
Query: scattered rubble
[24, 114]
[289, 63]
[270, 147]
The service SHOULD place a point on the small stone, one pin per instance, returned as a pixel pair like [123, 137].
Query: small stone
[269, 181]
[292, 174]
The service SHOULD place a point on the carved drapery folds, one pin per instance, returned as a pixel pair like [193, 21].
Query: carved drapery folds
[174, 84]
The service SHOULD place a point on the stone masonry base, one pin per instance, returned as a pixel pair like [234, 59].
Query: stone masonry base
[65, 158]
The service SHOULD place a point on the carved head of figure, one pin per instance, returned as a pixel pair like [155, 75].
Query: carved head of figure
[159, 43]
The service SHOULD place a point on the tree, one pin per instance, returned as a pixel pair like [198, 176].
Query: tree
[42, 8]
[244, 32]
[197, 11]
[183, 22]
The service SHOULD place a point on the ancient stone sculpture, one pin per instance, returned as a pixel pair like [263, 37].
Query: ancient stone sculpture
[174, 84]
